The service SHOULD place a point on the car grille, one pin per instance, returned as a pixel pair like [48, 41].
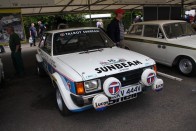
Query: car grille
[126, 78]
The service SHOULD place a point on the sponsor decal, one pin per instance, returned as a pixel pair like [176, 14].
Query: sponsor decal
[151, 78]
[100, 102]
[121, 99]
[147, 64]
[91, 76]
[118, 66]
[90, 31]
[112, 61]
[148, 77]
[69, 84]
[79, 32]
[158, 85]
[114, 88]
[111, 86]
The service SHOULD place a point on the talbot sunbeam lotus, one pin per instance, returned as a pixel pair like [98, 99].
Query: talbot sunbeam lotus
[88, 70]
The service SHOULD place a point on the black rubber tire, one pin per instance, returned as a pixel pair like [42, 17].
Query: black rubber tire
[40, 70]
[61, 105]
[184, 63]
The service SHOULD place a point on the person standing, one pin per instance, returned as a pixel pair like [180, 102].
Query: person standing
[15, 47]
[115, 29]
[99, 23]
[33, 33]
[41, 29]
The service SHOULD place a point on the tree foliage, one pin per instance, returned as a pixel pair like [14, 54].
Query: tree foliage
[73, 20]
[52, 21]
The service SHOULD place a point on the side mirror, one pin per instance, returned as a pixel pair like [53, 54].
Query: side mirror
[2, 50]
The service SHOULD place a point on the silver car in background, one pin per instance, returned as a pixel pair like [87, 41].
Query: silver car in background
[169, 42]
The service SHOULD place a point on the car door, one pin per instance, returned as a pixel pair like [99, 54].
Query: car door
[155, 43]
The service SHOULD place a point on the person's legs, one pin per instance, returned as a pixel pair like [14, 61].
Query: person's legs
[14, 62]
[34, 40]
[19, 63]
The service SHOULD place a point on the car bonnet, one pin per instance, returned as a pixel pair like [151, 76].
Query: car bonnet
[106, 62]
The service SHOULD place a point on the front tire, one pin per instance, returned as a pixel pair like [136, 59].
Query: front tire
[61, 105]
[186, 66]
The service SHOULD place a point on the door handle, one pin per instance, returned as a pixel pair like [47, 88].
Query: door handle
[163, 46]
[159, 46]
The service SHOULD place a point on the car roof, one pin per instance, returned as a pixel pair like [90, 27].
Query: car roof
[160, 22]
[71, 29]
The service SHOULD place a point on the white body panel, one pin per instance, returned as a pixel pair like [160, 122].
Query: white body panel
[85, 64]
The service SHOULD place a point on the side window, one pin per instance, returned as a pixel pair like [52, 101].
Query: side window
[47, 44]
[151, 31]
[136, 30]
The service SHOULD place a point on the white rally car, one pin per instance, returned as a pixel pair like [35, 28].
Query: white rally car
[88, 70]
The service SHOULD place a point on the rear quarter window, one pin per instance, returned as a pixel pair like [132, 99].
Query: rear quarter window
[136, 30]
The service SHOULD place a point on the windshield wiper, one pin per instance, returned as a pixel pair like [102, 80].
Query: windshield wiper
[95, 47]
[88, 51]
[84, 52]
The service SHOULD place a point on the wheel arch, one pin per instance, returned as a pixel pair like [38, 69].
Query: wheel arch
[176, 60]
[58, 83]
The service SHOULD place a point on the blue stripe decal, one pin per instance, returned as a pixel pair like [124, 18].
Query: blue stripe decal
[69, 85]
[73, 88]
[65, 80]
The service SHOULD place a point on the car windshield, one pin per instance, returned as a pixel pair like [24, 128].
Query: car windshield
[179, 29]
[79, 41]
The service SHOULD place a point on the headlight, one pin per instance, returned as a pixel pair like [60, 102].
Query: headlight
[92, 85]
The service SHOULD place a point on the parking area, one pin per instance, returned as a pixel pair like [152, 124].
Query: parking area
[29, 104]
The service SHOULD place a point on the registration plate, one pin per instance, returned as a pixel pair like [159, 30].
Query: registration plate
[126, 93]
[128, 90]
